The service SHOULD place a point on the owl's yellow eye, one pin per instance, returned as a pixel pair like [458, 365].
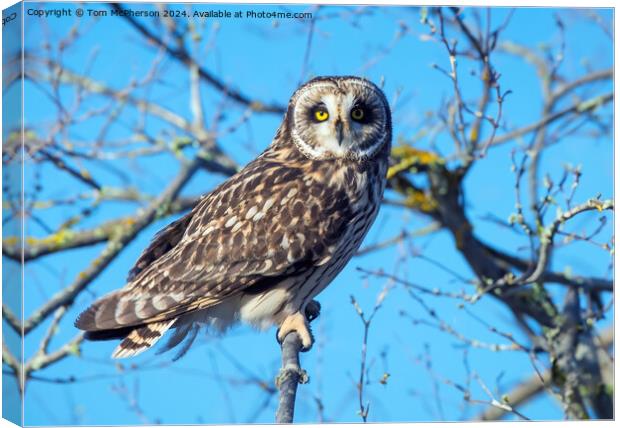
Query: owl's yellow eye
[321, 115]
[357, 114]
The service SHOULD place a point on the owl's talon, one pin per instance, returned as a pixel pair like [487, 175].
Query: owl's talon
[313, 310]
[296, 323]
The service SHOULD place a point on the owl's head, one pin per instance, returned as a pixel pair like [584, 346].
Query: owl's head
[339, 117]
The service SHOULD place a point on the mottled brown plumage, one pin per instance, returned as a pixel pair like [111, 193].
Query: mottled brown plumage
[265, 242]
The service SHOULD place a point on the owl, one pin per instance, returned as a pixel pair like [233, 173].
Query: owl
[264, 243]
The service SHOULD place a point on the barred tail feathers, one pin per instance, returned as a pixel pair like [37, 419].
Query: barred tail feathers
[141, 339]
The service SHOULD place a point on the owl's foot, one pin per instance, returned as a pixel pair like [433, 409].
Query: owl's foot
[313, 310]
[299, 324]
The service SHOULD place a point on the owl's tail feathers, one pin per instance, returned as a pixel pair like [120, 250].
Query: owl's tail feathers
[103, 321]
[142, 338]
[101, 315]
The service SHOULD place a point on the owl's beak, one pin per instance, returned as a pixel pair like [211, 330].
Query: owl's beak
[338, 125]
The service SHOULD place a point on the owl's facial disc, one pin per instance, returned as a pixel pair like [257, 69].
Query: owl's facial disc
[342, 119]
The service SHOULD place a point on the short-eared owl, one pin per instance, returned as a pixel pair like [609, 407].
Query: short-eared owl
[263, 244]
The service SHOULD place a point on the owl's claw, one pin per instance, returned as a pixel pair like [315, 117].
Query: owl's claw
[296, 323]
[313, 310]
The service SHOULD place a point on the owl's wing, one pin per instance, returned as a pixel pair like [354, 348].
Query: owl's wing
[162, 242]
[259, 227]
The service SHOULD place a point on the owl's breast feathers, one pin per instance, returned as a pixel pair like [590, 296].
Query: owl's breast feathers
[278, 218]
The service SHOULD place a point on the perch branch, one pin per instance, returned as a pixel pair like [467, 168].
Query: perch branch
[290, 376]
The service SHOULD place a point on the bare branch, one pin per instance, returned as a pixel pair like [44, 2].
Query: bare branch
[548, 235]
[582, 107]
[95, 87]
[587, 283]
[40, 361]
[65, 239]
[11, 319]
[404, 235]
[114, 247]
[184, 57]
[9, 359]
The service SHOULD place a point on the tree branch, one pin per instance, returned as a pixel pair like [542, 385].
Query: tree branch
[9, 359]
[546, 246]
[588, 78]
[587, 283]
[40, 361]
[156, 209]
[577, 108]
[181, 55]
[533, 386]
[290, 376]
[11, 319]
[95, 87]
[66, 239]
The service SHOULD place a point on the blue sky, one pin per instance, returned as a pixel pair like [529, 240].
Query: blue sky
[266, 61]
